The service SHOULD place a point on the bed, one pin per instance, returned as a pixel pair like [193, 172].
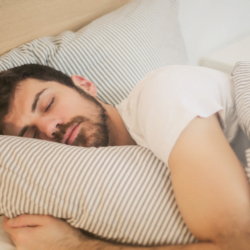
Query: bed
[63, 25]
[114, 47]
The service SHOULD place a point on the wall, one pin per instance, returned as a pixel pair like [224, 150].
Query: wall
[208, 25]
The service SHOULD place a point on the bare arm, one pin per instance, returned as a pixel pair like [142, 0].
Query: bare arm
[211, 190]
[39, 232]
[210, 185]
[99, 245]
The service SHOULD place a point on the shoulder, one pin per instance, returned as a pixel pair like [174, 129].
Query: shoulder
[180, 73]
[166, 100]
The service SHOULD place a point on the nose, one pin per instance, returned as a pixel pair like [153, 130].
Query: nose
[47, 127]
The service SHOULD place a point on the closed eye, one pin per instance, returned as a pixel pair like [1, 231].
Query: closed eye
[48, 107]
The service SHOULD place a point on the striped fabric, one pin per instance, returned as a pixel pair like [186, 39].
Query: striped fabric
[241, 78]
[115, 51]
[118, 193]
[122, 193]
[247, 169]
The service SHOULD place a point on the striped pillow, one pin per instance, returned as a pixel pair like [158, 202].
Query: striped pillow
[241, 78]
[115, 52]
[118, 193]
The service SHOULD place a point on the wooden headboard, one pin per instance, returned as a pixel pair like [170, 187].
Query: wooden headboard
[22, 21]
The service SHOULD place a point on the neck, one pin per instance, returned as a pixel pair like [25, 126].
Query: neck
[118, 134]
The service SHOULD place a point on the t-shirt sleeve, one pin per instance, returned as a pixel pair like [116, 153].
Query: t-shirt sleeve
[165, 101]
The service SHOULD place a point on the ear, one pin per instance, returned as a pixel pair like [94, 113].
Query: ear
[84, 84]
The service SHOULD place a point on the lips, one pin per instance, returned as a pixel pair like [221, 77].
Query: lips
[71, 134]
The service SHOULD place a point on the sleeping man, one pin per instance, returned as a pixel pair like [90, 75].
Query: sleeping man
[185, 115]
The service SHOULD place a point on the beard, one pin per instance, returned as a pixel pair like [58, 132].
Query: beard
[93, 132]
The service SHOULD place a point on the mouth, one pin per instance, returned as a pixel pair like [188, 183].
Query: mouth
[71, 134]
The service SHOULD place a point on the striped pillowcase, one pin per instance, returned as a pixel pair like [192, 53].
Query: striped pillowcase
[114, 51]
[118, 193]
[125, 193]
[241, 78]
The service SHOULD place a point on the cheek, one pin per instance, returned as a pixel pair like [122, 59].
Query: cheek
[68, 109]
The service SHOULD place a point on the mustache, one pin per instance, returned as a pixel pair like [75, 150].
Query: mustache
[62, 128]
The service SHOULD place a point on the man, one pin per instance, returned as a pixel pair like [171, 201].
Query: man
[178, 112]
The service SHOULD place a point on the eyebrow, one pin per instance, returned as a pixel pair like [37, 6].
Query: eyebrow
[36, 99]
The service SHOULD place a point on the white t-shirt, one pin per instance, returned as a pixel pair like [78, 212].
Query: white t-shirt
[166, 100]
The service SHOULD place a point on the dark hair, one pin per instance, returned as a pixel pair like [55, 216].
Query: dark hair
[10, 79]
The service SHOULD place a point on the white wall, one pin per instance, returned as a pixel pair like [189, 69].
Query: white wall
[208, 25]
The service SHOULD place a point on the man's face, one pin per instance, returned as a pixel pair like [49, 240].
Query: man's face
[54, 112]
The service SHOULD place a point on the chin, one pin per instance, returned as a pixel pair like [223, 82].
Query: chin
[91, 141]
[97, 144]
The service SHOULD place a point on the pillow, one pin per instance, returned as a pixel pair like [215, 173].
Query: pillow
[241, 78]
[118, 193]
[123, 194]
[241, 81]
[114, 52]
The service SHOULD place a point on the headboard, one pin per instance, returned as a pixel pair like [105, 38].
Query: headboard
[22, 21]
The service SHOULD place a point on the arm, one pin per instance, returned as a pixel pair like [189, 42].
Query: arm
[211, 190]
[210, 185]
[39, 232]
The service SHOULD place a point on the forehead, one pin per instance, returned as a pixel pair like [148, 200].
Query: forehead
[27, 89]
[23, 99]
[32, 86]
[25, 92]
